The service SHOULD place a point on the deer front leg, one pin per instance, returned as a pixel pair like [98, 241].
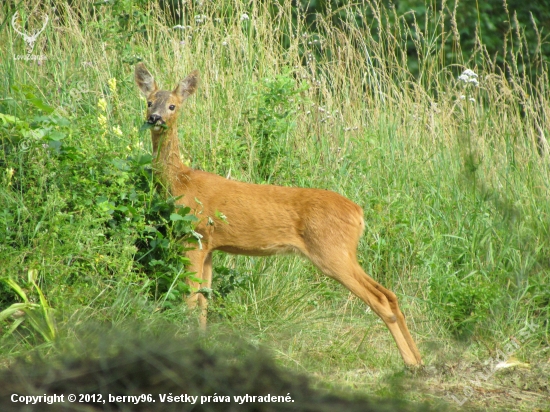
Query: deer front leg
[197, 265]
[207, 284]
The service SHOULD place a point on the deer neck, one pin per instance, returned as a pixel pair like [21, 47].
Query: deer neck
[167, 163]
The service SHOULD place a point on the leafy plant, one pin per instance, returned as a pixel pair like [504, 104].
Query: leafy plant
[226, 280]
[277, 101]
[123, 21]
[464, 301]
[39, 316]
[116, 193]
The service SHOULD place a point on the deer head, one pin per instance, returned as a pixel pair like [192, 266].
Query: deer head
[163, 106]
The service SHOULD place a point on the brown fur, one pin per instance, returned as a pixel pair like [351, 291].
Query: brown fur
[263, 220]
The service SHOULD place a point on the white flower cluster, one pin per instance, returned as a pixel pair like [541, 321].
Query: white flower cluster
[471, 99]
[200, 18]
[468, 76]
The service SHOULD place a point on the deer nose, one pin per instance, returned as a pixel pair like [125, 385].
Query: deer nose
[154, 118]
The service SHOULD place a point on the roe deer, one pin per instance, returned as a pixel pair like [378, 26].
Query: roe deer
[263, 220]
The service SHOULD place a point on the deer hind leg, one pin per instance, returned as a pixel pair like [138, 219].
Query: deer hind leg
[201, 266]
[382, 301]
[392, 300]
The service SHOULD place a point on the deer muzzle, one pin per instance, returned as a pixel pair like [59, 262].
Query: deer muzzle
[155, 119]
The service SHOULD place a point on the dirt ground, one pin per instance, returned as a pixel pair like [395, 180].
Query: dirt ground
[494, 386]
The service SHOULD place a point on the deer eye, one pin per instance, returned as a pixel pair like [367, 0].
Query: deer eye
[172, 107]
[149, 104]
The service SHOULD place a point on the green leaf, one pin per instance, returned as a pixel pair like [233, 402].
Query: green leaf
[144, 159]
[156, 262]
[39, 103]
[183, 210]
[175, 217]
[120, 164]
[6, 313]
[61, 121]
[56, 135]
[55, 145]
[17, 289]
[14, 326]
[7, 118]
[145, 126]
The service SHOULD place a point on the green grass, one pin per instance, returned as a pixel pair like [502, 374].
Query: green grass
[455, 192]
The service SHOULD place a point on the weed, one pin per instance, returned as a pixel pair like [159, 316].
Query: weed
[276, 102]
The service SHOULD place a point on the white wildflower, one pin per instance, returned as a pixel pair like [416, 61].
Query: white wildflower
[472, 99]
[468, 76]
[462, 97]
[224, 43]
[179, 27]
[244, 16]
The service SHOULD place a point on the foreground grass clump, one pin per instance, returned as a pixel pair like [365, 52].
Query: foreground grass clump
[452, 174]
[100, 365]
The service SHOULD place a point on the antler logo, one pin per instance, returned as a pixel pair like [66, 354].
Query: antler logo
[29, 39]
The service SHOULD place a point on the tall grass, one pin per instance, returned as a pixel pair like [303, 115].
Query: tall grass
[453, 178]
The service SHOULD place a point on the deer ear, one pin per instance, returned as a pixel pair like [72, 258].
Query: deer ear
[188, 86]
[145, 80]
